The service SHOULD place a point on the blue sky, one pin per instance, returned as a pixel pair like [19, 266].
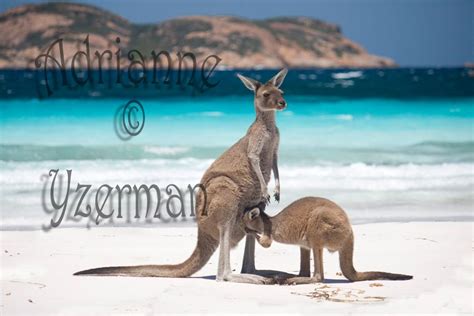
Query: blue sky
[412, 32]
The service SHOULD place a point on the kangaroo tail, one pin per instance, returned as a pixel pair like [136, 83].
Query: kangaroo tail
[205, 247]
[347, 267]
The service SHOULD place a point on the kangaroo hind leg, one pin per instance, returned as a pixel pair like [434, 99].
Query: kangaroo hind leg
[225, 211]
[305, 255]
[318, 264]
[304, 277]
[248, 264]
[224, 271]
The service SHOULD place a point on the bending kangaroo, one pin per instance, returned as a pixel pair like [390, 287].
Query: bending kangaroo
[237, 180]
[312, 223]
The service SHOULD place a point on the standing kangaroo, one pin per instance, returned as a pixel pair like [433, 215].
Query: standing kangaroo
[312, 223]
[237, 180]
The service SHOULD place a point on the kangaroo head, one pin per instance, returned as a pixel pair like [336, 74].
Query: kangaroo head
[257, 222]
[268, 96]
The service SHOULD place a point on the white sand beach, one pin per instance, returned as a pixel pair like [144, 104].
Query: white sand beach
[37, 268]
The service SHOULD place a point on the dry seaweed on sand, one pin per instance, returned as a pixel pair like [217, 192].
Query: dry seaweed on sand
[342, 295]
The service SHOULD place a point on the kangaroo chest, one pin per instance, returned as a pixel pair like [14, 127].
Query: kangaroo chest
[270, 142]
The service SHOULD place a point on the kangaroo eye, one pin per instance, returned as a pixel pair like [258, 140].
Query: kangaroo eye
[266, 94]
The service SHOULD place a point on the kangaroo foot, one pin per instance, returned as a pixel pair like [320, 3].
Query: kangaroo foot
[267, 273]
[298, 280]
[247, 278]
[274, 274]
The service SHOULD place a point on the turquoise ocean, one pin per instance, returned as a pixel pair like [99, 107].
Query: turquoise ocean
[406, 157]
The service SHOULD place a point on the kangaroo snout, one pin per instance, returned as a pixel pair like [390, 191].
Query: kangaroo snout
[281, 104]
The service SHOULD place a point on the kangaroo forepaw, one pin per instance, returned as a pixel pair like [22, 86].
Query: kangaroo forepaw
[266, 199]
[277, 196]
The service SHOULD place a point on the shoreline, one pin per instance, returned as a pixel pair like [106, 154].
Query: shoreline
[38, 266]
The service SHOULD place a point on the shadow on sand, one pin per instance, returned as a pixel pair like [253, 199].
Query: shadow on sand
[326, 281]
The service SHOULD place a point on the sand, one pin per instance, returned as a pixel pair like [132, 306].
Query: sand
[37, 268]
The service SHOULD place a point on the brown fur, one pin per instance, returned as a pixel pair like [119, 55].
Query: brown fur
[313, 223]
[235, 181]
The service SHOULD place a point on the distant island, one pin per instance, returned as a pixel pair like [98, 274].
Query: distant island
[295, 42]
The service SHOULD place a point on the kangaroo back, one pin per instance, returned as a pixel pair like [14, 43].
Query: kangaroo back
[205, 247]
[347, 267]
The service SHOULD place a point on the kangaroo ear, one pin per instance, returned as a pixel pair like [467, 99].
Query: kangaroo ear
[253, 213]
[251, 84]
[277, 80]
